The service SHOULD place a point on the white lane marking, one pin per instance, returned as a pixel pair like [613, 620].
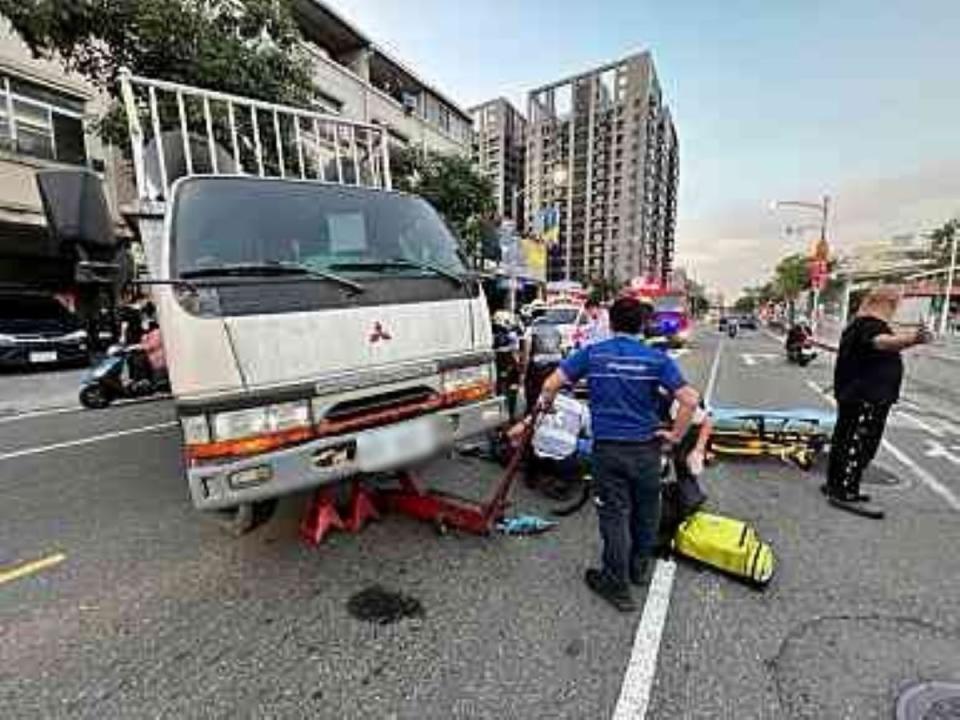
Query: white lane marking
[936, 449]
[642, 667]
[638, 680]
[38, 413]
[917, 422]
[821, 392]
[923, 476]
[85, 441]
[751, 359]
[29, 414]
[712, 379]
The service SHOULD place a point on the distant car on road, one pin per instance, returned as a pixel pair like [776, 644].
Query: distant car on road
[748, 322]
[37, 330]
[567, 319]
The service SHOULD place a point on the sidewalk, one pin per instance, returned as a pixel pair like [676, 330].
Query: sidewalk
[39, 390]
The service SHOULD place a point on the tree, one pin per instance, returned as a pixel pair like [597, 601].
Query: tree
[942, 241]
[791, 277]
[452, 184]
[746, 304]
[245, 47]
[697, 298]
[603, 288]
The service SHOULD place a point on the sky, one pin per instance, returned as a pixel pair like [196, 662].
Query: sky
[773, 100]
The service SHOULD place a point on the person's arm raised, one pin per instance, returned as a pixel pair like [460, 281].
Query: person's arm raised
[895, 342]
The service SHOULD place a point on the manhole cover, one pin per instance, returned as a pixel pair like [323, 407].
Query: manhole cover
[930, 701]
[378, 605]
[879, 475]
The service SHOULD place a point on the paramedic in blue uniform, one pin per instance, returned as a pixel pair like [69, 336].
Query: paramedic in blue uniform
[625, 378]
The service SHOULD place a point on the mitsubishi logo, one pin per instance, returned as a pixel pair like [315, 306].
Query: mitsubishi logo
[379, 333]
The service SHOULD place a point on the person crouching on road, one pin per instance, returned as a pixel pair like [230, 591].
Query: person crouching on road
[624, 378]
[866, 382]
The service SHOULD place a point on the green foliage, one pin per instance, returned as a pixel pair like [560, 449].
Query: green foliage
[697, 298]
[456, 189]
[791, 276]
[245, 47]
[603, 289]
[746, 304]
[942, 241]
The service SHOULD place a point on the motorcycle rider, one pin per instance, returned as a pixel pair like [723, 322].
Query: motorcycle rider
[798, 343]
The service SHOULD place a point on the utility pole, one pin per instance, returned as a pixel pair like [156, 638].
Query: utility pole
[823, 207]
[951, 273]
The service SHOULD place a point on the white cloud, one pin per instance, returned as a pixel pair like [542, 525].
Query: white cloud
[740, 246]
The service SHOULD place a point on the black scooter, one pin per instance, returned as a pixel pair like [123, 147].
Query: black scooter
[799, 347]
[123, 373]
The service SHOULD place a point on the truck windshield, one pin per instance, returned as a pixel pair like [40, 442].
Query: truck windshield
[230, 222]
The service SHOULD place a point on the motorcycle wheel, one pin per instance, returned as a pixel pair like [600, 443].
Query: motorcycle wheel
[94, 397]
[245, 517]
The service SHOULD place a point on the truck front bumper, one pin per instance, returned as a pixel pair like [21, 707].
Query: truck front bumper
[323, 461]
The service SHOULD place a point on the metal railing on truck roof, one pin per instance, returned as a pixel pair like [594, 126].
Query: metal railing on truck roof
[178, 130]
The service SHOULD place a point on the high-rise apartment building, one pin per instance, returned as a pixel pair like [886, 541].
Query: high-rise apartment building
[602, 150]
[499, 149]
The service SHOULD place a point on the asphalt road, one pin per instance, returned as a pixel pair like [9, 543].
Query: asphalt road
[144, 609]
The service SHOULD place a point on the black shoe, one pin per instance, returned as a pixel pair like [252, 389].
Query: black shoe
[640, 571]
[615, 593]
[844, 497]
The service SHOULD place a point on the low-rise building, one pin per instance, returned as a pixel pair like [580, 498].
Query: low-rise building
[45, 123]
[360, 80]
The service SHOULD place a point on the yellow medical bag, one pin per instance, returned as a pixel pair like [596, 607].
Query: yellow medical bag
[725, 544]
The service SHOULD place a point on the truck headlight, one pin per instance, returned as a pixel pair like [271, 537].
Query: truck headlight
[195, 428]
[467, 384]
[236, 424]
[7, 339]
[75, 336]
[251, 431]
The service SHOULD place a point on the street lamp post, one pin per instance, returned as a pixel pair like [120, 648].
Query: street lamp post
[951, 273]
[823, 208]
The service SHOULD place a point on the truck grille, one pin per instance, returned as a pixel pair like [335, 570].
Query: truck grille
[376, 409]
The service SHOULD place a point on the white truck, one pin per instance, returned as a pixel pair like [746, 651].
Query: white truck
[317, 325]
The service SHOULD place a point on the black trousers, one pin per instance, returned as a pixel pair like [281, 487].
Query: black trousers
[627, 477]
[856, 439]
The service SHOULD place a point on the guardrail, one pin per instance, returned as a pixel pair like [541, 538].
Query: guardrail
[178, 130]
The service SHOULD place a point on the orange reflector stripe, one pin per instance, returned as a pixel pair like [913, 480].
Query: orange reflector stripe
[248, 446]
[243, 447]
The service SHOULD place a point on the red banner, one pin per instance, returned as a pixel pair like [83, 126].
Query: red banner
[819, 273]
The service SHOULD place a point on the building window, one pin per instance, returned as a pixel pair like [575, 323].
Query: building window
[40, 122]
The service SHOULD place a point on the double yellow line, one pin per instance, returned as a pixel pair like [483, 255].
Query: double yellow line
[15, 572]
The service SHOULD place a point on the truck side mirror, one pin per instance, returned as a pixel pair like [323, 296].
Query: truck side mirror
[76, 210]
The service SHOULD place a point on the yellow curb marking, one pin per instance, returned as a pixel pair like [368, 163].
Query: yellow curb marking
[18, 571]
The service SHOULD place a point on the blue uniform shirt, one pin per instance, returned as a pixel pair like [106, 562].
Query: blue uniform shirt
[624, 377]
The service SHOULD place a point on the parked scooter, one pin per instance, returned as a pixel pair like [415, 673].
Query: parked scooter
[799, 346]
[122, 373]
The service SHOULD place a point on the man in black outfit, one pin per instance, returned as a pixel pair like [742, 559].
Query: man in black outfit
[867, 379]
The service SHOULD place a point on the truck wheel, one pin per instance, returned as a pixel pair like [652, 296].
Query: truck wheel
[238, 521]
[94, 397]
